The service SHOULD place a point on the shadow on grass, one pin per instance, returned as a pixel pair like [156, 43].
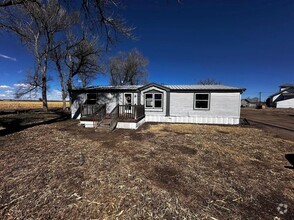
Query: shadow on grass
[18, 124]
[290, 158]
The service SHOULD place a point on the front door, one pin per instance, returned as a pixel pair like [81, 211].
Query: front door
[128, 101]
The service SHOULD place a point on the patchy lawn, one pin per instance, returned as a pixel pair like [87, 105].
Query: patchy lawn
[171, 171]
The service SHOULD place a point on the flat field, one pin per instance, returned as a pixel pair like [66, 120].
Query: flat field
[61, 170]
[21, 105]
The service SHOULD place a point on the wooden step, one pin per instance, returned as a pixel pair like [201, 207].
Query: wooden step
[102, 129]
[106, 121]
[107, 116]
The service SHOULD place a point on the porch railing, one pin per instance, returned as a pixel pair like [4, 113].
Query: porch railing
[131, 112]
[95, 112]
[100, 114]
[87, 110]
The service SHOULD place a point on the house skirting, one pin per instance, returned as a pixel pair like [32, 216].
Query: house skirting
[130, 125]
[193, 119]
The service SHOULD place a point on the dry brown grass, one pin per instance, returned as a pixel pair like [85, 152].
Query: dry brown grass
[20, 105]
[163, 171]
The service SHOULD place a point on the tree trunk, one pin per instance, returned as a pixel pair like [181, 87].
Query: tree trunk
[61, 80]
[69, 80]
[44, 87]
[69, 88]
[63, 99]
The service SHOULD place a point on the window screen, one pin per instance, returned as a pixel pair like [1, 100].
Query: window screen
[202, 101]
[153, 100]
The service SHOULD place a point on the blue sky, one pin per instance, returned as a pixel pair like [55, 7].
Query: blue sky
[239, 43]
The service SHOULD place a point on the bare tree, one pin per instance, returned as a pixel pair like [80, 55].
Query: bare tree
[82, 56]
[103, 16]
[128, 68]
[37, 24]
[57, 56]
[99, 16]
[86, 77]
[208, 81]
[7, 3]
[31, 84]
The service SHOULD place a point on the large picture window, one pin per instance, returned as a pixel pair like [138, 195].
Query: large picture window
[153, 100]
[201, 101]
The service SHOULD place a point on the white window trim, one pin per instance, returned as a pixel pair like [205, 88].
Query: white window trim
[153, 100]
[208, 101]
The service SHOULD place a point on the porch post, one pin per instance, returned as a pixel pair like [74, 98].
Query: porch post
[167, 103]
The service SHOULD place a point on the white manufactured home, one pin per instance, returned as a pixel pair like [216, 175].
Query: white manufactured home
[131, 106]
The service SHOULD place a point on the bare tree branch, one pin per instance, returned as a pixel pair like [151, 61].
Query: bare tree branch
[31, 83]
[7, 3]
[128, 69]
[37, 25]
[208, 81]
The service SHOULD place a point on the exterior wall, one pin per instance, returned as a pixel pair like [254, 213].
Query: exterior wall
[244, 103]
[158, 112]
[224, 109]
[111, 99]
[252, 105]
[221, 104]
[289, 103]
[78, 99]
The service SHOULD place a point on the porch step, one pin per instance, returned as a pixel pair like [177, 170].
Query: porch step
[88, 124]
[106, 122]
[102, 129]
[104, 126]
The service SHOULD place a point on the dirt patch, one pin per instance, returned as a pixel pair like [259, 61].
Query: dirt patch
[160, 171]
[184, 149]
[167, 175]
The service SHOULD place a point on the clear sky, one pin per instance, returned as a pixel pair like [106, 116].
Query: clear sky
[247, 44]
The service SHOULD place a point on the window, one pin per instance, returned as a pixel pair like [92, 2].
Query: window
[91, 98]
[153, 100]
[201, 101]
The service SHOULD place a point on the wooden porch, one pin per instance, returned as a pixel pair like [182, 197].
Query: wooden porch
[121, 113]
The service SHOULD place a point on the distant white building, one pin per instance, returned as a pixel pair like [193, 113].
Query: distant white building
[249, 102]
[284, 98]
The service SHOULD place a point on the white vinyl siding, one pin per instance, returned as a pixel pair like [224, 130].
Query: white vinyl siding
[221, 105]
[288, 103]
